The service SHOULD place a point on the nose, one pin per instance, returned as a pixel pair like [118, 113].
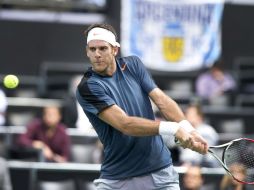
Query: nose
[97, 53]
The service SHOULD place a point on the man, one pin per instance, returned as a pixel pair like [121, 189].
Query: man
[193, 179]
[49, 135]
[3, 107]
[114, 93]
[228, 183]
[74, 117]
[215, 86]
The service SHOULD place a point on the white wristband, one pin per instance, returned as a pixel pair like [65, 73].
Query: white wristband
[186, 125]
[168, 128]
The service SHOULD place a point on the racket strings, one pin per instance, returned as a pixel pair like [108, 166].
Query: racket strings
[239, 158]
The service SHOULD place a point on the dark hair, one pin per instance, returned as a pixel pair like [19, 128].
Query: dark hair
[101, 25]
[218, 64]
[198, 108]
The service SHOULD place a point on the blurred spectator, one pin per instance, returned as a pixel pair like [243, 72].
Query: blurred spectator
[5, 181]
[228, 183]
[194, 115]
[49, 135]
[192, 178]
[215, 85]
[3, 107]
[74, 116]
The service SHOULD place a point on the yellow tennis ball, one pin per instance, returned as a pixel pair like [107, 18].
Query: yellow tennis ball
[11, 81]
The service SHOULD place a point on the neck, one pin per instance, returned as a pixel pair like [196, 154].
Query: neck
[111, 69]
[108, 71]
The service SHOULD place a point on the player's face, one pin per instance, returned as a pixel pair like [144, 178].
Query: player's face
[102, 56]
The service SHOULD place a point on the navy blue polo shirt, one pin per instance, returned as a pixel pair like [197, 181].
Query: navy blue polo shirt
[124, 156]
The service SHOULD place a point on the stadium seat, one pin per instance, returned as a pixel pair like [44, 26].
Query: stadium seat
[82, 153]
[57, 185]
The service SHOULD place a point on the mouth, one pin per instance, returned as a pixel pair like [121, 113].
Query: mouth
[98, 62]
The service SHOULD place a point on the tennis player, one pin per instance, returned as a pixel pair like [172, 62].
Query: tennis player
[115, 95]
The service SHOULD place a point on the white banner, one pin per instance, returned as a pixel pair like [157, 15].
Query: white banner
[172, 35]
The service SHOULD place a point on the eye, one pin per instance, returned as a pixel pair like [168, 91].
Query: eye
[103, 48]
[92, 49]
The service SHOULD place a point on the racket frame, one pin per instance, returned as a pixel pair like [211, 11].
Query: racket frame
[222, 160]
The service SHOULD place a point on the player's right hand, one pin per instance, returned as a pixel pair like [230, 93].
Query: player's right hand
[201, 144]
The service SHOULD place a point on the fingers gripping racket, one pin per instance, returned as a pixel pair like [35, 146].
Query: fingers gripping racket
[237, 159]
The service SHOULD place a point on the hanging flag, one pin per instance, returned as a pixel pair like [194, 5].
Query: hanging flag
[172, 35]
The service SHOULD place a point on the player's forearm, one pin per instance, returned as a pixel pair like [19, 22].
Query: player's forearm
[171, 111]
[130, 125]
[167, 106]
[136, 126]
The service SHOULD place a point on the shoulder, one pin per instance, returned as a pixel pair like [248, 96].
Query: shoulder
[229, 76]
[2, 92]
[2, 163]
[86, 77]
[3, 97]
[133, 63]
[204, 75]
[36, 123]
[62, 128]
[130, 60]
[88, 83]
[204, 78]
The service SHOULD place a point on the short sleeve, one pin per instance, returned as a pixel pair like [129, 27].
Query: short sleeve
[92, 97]
[144, 76]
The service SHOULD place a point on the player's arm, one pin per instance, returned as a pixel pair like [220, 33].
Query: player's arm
[171, 111]
[167, 106]
[129, 125]
[137, 126]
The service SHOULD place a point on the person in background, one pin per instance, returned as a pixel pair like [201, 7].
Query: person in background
[74, 115]
[215, 85]
[3, 107]
[228, 183]
[49, 135]
[114, 93]
[195, 116]
[192, 178]
[5, 181]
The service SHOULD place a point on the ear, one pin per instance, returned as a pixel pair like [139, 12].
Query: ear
[86, 51]
[115, 50]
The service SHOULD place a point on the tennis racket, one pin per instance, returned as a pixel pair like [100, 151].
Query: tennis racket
[237, 159]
